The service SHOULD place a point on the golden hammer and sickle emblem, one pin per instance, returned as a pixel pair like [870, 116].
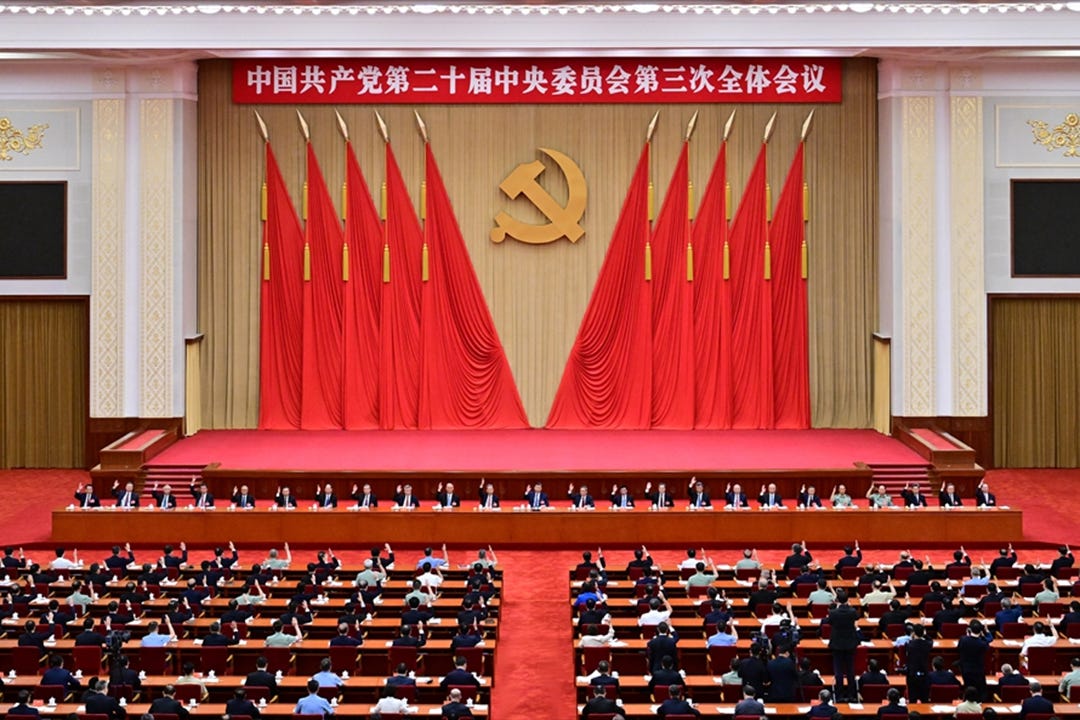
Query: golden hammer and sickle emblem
[563, 220]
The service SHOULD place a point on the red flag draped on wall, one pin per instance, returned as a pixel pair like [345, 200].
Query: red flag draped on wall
[712, 303]
[321, 388]
[281, 330]
[673, 306]
[752, 308]
[360, 308]
[399, 360]
[466, 380]
[790, 333]
[607, 380]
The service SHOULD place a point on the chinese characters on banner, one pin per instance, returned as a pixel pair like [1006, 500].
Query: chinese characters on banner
[549, 80]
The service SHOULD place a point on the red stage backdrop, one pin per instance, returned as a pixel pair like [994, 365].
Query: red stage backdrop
[465, 379]
[712, 302]
[320, 406]
[673, 305]
[791, 345]
[607, 381]
[362, 301]
[540, 81]
[281, 335]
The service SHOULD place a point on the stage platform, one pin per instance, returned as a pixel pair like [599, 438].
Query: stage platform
[511, 527]
[266, 460]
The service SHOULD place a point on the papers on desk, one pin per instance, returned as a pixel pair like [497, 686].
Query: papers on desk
[1012, 643]
[803, 709]
[943, 709]
[618, 643]
[855, 706]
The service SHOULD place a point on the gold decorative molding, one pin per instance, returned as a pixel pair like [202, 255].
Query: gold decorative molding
[107, 263]
[917, 253]
[156, 140]
[13, 140]
[968, 282]
[1063, 136]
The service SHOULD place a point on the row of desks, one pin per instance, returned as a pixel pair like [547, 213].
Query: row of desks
[551, 527]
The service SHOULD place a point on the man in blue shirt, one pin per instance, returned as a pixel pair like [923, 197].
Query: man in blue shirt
[724, 637]
[153, 638]
[434, 562]
[327, 677]
[312, 704]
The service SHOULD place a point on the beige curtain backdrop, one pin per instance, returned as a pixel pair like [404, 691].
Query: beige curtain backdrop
[44, 370]
[538, 294]
[1036, 380]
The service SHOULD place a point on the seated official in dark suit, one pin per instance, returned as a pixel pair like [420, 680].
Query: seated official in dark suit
[164, 498]
[364, 496]
[582, 499]
[983, 496]
[535, 497]
[284, 498]
[698, 497]
[488, 498]
[242, 497]
[662, 497]
[446, 497]
[735, 497]
[203, 498]
[769, 497]
[405, 498]
[325, 498]
[599, 704]
[126, 498]
[621, 497]
[86, 497]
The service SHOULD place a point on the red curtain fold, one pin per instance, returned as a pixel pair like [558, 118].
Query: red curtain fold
[791, 361]
[361, 302]
[465, 377]
[673, 306]
[751, 307]
[280, 312]
[607, 380]
[320, 403]
[399, 337]
[712, 303]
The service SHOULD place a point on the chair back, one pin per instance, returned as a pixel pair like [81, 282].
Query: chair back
[1013, 693]
[1015, 630]
[278, 658]
[591, 657]
[850, 572]
[155, 660]
[329, 692]
[957, 572]
[720, 657]
[126, 692]
[469, 692]
[1041, 660]
[254, 693]
[903, 573]
[44, 692]
[186, 692]
[215, 657]
[917, 591]
[474, 658]
[86, 658]
[26, 659]
[953, 631]
[1074, 693]
[405, 692]
[944, 693]
[873, 694]
[344, 657]
[697, 591]
[402, 654]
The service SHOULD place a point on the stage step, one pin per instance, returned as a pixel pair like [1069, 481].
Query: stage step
[179, 476]
[896, 476]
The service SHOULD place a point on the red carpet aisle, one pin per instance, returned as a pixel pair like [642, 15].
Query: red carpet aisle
[534, 665]
[1048, 499]
[30, 496]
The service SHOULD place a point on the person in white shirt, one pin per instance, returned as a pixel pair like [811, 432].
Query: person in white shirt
[779, 613]
[879, 594]
[62, 563]
[431, 577]
[1045, 635]
[593, 638]
[691, 560]
[390, 705]
[659, 611]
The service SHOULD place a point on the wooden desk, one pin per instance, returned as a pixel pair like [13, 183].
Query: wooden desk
[555, 527]
[284, 711]
[640, 711]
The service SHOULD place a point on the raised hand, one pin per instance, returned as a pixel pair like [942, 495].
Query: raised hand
[115, 484]
[648, 486]
[235, 490]
[355, 487]
[570, 489]
[439, 489]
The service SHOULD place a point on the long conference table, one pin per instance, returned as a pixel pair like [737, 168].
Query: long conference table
[517, 526]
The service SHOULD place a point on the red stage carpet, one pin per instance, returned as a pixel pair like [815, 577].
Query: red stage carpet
[536, 450]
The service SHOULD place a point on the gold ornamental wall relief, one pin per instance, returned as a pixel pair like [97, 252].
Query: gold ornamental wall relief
[13, 140]
[563, 220]
[1063, 136]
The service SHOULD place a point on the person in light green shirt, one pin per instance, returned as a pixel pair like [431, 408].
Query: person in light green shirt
[78, 597]
[840, 497]
[749, 560]
[369, 575]
[879, 497]
[279, 638]
[418, 593]
[274, 562]
[253, 595]
[702, 577]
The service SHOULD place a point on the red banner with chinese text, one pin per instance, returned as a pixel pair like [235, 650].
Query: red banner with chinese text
[540, 81]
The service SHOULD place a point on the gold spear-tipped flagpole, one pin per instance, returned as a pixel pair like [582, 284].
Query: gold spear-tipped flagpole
[304, 127]
[727, 185]
[342, 126]
[804, 252]
[262, 126]
[690, 126]
[768, 200]
[806, 126]
[648, 246]
[690, 203]
[382, 127]
[423, 201]
[652, 126]
[421, 126]
[728, 124]
[769, 128]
